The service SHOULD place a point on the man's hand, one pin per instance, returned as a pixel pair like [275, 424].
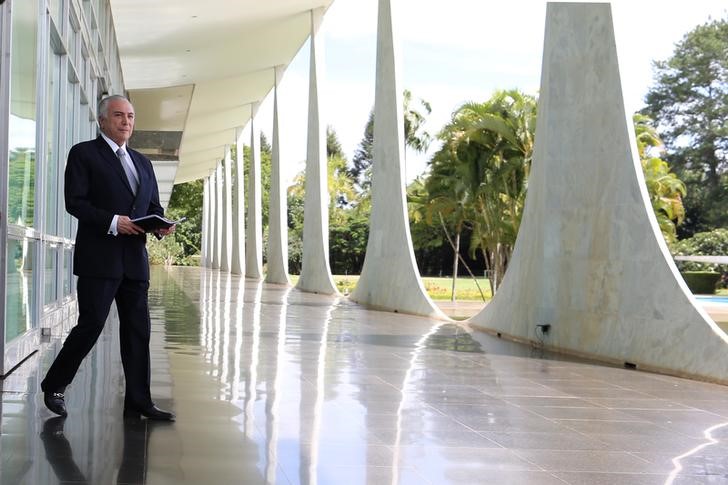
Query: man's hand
[125, 226]
[165, 231]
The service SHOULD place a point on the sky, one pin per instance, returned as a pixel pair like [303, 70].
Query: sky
[458, 51]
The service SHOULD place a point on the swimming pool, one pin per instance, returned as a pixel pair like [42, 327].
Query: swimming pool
[713, 299]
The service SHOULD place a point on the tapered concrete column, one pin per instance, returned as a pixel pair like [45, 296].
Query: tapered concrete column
[227, 213]
[390, 279]
[590, 260]
[216, 216]
[204, 246]
[315, 271]
[210, 236]
[278, 208]
[237, 265]
[254, 228]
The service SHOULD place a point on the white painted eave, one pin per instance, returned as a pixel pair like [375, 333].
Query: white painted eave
[196, 66]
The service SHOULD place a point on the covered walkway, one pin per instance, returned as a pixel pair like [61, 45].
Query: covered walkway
[273, 385]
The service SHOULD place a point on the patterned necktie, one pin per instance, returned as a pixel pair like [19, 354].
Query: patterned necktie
[129, 170]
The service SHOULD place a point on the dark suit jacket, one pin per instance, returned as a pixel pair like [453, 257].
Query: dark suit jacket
[96, 188]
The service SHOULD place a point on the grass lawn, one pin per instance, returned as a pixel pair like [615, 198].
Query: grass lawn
[437, 288]
[441, 288]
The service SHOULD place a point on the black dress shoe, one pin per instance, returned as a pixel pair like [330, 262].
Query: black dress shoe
[152, 412]
[55, 401]
[53, 427]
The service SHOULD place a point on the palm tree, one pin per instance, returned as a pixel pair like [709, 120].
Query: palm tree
[665, 189]
[415, 137]
[491, 144]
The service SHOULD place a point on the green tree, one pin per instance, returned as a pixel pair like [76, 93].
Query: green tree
[348, 228]
[665, 188]
[333, 145]
[363, 156]
[482, 168]
[430, 246]
[266, 154]
[21, 187]
[415, 136]
[689, 101]
[185, 201]
[447, 202]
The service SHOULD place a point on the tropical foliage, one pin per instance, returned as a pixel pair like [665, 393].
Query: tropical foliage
[478, 178]
[665, 189]
[689, 101]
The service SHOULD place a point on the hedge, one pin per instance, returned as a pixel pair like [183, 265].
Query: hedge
[701, 282]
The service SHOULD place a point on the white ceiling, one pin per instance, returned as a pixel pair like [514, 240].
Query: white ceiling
[196, 66]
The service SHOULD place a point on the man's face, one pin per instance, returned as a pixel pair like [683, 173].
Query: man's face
[118, 121]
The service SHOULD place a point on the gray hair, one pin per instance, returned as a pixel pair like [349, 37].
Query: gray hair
[103, 108]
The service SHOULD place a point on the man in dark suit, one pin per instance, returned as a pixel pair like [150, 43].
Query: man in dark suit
[106, 185]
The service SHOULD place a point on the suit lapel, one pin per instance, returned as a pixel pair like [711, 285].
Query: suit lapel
[108, 154]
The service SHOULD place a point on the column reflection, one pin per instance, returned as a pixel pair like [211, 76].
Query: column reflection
[276, 393]
[239, 331]
[225, 337]
[406, 391]
[251, 388]
[320, 394]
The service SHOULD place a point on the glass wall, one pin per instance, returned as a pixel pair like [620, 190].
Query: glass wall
[22, 124]
[19, 307]
[50, 291]
[53, 137]
[62, 57]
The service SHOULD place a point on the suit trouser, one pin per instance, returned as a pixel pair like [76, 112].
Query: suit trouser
[95, 296]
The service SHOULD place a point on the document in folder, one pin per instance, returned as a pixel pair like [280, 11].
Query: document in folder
[153, 222]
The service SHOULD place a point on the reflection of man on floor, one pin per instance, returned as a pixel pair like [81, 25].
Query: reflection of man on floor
[106, 185]
[59, 453]
[133, 469]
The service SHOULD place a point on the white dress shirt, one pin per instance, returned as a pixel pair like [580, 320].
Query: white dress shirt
[114, 148]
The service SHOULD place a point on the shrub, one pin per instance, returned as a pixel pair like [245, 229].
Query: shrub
[712, 243]
[701, 282]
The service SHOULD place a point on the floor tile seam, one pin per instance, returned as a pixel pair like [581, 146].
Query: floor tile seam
[537, 409]
[521, 456]
[682, 434]
[634, 454]
[522, 408]
[480, 432]
[616, 436]
[594, 400]
[586, 468]
[635, 435]
[556, 449]
[618, 473]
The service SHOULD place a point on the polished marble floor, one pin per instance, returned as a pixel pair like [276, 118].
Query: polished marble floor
[271, 385]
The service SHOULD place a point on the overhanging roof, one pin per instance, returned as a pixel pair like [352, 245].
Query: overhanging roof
[196, 66]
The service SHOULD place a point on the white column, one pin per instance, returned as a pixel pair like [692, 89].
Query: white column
[204, 247]
[277, 212]
[390, 279]
[227, 213]
[214, 255]
[254, 228]
[219, 216]
[315, 272]
[211, 219]
[238, 258]
[590, 259]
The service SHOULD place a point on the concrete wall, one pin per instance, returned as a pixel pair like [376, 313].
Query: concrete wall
[590, 259]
